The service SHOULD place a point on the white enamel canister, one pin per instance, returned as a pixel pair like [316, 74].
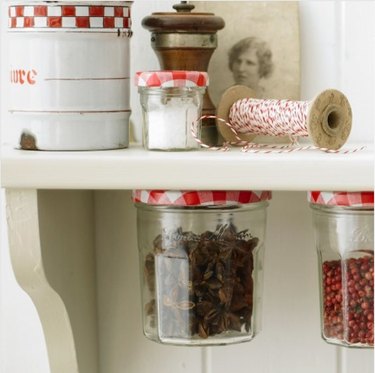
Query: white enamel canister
[69, 69]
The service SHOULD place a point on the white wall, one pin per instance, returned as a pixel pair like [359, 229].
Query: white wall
[338, 44]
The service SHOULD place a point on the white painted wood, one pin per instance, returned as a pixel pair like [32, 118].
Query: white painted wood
[357, 76]
[355, 360]
[52, 252]
[136, 168]
[123, 348]
[357, 63]
[21, 332]
[25, 246]
[319, 47]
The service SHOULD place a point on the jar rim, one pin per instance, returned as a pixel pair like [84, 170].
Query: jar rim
[171, 78]
[341, 209]
[187, 198]
[210, 208]
[171, 90]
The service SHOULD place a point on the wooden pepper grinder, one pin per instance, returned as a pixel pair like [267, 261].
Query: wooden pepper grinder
[184, 40]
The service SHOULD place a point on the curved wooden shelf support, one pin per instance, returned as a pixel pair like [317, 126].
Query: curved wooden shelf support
[52, 251]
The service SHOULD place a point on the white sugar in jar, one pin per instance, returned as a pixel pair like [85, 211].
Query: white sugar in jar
[171, 104]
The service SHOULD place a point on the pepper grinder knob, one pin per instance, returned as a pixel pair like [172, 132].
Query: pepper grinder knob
[183, 7]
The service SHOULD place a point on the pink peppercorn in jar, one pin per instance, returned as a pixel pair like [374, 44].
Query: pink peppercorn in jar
[344, 231]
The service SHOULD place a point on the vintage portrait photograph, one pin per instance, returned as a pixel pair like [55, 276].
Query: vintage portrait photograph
[259, 47]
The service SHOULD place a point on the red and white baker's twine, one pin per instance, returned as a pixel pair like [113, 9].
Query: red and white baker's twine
[266, 117]
[270, 117]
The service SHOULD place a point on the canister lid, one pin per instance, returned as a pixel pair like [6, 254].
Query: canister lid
[53, 15]
[199, 198]
[171, 78]
[184, 20]
[349, 199]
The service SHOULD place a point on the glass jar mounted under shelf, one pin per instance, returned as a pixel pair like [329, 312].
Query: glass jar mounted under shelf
[171, 103]
[344, 229]
[201, 256]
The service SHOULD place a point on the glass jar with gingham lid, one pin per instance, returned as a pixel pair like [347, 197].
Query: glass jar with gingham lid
[201, 260]
[344, 232]
[171, 104]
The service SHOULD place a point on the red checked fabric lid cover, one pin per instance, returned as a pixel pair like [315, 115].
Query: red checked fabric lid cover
[352, 199]
[70, 15]
[173, 78]
[199, 198]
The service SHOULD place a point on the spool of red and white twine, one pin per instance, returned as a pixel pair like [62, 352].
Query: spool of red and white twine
[326, 120]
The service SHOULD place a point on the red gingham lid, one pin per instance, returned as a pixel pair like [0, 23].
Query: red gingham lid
[70, 15]
[199, 198]
[352, 199]
[171, 78]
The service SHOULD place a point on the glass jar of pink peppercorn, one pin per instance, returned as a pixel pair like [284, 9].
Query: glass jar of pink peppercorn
[344, 231]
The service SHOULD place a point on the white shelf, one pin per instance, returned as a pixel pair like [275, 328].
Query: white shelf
[136, 168]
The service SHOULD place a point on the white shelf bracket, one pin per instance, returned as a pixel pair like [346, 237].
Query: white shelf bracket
[48, 275]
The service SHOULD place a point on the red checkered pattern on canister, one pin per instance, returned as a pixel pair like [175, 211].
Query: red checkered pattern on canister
[199, 198]
[173, 78]
[69, 16]
[352, 199]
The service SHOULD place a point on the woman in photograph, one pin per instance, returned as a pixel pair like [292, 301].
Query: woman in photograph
[250, 61]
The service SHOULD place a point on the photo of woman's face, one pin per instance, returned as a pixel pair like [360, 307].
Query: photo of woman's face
[259, 49]
[245, 69]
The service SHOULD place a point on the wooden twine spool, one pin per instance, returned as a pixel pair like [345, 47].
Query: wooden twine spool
[328, 118]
